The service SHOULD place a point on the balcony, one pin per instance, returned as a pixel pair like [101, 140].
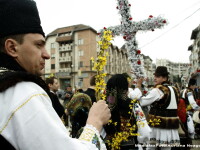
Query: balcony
[65, 59]
[65, 48]
[65, 70]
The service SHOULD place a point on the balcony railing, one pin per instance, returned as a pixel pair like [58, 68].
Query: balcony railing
[65, 59]
[64, 48]
[65, 70]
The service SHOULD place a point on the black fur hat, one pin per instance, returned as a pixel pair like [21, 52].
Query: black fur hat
[161, 71]
[192, 82]
[19, 17]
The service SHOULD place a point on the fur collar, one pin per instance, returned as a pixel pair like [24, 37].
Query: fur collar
[11, 73]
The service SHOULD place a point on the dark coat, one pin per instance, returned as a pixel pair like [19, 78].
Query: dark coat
[91, 92]
[57, 105]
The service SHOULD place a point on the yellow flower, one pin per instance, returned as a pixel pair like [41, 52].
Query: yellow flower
[92, 59]
[51, 75]
[128, 124]
[100, 42]
[100, 63]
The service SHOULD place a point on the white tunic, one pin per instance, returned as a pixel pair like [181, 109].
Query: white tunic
[29, 122]
[134, 94]
[191, 99]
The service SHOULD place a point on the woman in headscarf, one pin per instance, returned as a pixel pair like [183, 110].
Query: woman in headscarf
[128, 126]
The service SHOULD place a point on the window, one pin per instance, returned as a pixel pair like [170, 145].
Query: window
[80, 83]
[52, 66]
[80, 53]
[52, 45]
[80, 42]
[52, 56]
[80, 64]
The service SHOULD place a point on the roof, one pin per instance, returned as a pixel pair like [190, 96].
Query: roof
[65, 38]
[123, 48]
[73, 28]
[190, 47]
[194, 33]
[147, 57]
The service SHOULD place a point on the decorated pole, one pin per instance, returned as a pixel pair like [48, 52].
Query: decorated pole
[128, 30]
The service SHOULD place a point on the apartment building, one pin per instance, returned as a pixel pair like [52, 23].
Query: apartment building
[178, 71]
[148, 67]
[194, 70]
[71, 49]
[117, 61]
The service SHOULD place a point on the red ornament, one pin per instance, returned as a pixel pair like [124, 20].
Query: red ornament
[104, 28]
[129, 4]
[104, 92]
[130, 18]
[139, 62]
[164, 21]
[138, 51]
[117, 7]
[150, 16]
[98, 33]
[124, 37]
[152, 29]
[145, 92]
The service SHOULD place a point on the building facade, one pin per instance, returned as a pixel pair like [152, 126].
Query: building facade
[194, 70]
[149, 70]
[178, 71]
[71, 49]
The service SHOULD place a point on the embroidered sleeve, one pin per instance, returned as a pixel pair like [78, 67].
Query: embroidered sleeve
[143, 127]
[192, 102]
[90, 134]
[139, 115]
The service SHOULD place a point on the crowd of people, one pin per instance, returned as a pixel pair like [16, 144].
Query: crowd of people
[35, 116]
[157, 111]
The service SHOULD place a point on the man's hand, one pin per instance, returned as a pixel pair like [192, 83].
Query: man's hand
[99, 115]
[139, 82]
[67, 95]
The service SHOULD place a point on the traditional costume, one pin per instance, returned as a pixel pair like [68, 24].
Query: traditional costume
[129, 126]
[25, 108]
[163, 117]
[28, 121]
[188, 96]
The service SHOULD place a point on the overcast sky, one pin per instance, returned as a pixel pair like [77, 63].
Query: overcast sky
[170, 42]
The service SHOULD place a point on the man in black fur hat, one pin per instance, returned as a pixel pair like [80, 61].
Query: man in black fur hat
[163, 118]
[28, 120]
